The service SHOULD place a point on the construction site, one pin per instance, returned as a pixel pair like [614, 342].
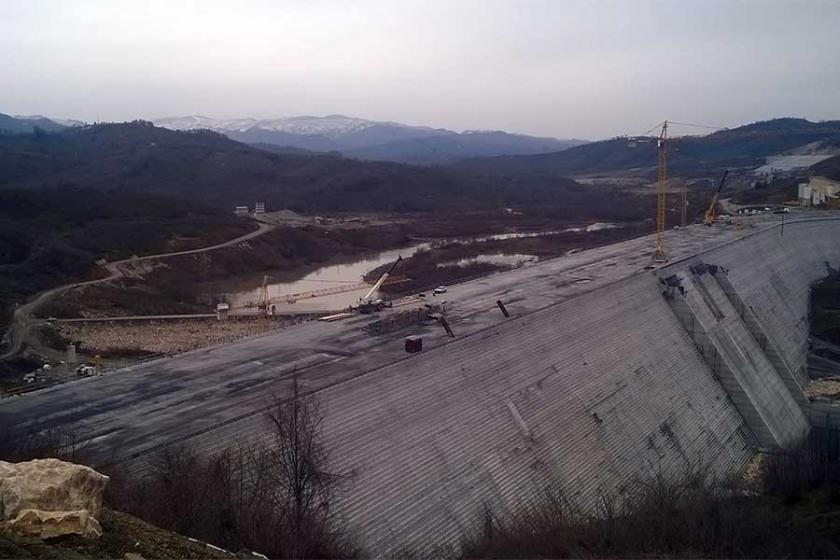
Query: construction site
[602, 368]
[631, 359]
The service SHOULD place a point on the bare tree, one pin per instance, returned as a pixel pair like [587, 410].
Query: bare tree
[56, 442]
[270, 498]
[303, 484]
[245, 518]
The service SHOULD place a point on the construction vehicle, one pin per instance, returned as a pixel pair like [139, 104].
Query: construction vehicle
[711, 211]
[368, 305]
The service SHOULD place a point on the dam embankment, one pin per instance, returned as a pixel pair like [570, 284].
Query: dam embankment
[700, 362]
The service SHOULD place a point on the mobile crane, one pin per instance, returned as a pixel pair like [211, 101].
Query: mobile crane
[711, 211]
[368, 305]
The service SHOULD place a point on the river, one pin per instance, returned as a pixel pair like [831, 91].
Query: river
[337, 286]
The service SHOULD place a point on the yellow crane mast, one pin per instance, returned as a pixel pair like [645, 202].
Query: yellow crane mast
[659, 252]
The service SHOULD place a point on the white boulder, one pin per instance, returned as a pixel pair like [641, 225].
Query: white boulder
[48, 497]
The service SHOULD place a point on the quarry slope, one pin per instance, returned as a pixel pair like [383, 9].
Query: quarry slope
[605, 371]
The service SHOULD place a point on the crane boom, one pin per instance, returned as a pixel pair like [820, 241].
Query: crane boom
[711, 211]
[382, 279]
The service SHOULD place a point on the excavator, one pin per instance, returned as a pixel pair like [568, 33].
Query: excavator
[368, 305]
[711, 212]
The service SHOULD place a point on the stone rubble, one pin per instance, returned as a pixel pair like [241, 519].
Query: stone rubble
[164, 336]
[823, 389]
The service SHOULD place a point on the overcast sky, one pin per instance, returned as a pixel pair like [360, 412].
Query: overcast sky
[564, 68]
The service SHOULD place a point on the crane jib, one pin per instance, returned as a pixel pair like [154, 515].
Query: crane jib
[382, 279]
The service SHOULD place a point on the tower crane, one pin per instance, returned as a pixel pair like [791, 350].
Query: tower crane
[659, 253]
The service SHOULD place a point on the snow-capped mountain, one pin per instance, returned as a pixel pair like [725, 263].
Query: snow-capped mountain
[331, 126]
[365, 139]
[197, 122]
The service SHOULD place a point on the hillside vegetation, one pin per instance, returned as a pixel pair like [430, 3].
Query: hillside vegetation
[745, 146]
[19, 125]
[109, 191]
[123, 535]
[828, 168]
[53, 236]
[209, 167]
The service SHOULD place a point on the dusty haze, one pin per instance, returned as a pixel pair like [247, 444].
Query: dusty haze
[565, 69]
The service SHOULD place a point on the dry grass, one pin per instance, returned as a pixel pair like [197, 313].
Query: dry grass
[690, 516]
[122, 534]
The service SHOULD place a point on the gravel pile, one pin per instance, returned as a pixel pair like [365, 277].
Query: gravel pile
[127, 338]
[825, 388]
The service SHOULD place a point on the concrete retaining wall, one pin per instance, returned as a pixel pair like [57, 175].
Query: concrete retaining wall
[772, 408]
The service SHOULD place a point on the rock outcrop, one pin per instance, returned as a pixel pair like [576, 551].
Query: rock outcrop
[49, 524]
[49, 498]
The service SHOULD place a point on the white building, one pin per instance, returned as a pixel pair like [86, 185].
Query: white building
[818, 191]
[241, 211]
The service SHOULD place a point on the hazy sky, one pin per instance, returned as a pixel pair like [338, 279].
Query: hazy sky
[585, 69]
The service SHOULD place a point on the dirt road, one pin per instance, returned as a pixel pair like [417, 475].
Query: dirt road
[20, 332]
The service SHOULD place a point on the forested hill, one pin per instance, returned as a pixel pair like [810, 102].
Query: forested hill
[828, 168]
[745, 146]
[26, 125]
[211, 168]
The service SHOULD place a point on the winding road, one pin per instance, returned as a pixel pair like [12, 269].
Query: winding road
[20, 330]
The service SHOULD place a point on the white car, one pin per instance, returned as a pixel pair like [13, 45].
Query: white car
[439, 290]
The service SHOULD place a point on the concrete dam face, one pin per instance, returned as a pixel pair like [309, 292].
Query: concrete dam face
[699, 362]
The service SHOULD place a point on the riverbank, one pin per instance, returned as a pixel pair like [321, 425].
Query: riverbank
[54, 236]
[192, 283]
[188, 284]
[450, 261]
[304, 262]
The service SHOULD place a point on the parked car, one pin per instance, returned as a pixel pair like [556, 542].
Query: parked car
[85, 370]
[439, 290]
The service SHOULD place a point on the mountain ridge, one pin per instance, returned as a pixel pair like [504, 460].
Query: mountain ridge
[745, 146]
[26, 125]
[210, 168]
[371, 140]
